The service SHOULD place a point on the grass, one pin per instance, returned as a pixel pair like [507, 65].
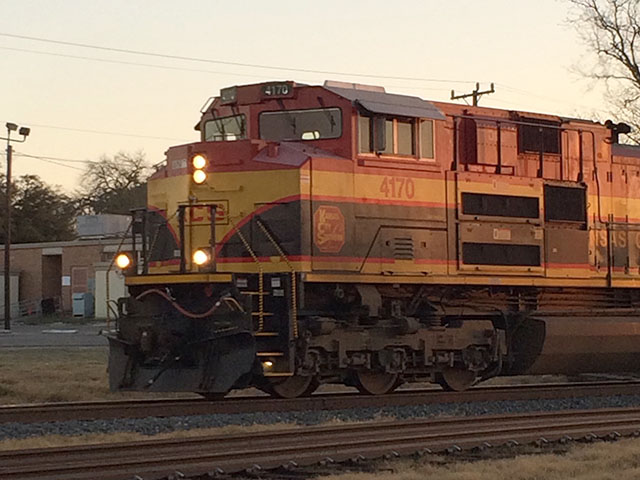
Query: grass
[600, 461]
[44, 375]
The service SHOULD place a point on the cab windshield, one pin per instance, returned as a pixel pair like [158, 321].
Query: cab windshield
[225, 129]
[313, 124]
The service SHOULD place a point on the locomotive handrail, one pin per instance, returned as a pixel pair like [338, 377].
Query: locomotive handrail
[294, 293]
[608, 223]
[260, 274]
[155, 238]
[499, 121]
[212, 225]
[113, 259]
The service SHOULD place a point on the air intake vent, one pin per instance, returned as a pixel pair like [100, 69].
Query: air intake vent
[500, 254]
[403, 248]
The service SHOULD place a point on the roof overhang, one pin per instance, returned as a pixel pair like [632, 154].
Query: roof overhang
[384, 103]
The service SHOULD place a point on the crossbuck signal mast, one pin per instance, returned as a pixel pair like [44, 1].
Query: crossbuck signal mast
[476, 94]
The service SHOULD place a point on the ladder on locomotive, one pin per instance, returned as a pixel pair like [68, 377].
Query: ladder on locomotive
[272, 326]
[273, 309]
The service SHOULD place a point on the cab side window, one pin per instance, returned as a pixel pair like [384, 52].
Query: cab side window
[395, 136]
[426, 139]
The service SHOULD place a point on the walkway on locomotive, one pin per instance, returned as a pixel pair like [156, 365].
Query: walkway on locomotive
[335, 181]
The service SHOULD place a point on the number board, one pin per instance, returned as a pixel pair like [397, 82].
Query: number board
[277, 90]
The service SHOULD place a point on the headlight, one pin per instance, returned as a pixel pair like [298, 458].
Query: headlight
[199, 176]
[123, 261]
[199, 161]
[200, 257]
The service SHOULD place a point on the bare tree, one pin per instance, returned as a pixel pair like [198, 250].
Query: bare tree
[611, 30]
[114, 184]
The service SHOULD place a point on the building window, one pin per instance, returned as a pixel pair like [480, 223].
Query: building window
[539, 138]
[397, 136]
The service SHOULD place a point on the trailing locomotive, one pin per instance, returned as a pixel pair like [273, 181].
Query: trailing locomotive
[343, 234]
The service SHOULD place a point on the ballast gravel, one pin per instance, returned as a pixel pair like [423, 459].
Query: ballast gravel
[155, 425]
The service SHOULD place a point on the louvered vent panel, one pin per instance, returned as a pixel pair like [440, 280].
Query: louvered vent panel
[403, 248]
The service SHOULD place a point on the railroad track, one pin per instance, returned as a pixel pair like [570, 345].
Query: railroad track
[179, 407]
[213, 455]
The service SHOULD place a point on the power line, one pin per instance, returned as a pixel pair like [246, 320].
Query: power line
[224, 62]
[69, 160]
[102, 132]
[122, 62]
[544, 97]
[60, 164]
[53, 162]
[248, 75]
[184, 69]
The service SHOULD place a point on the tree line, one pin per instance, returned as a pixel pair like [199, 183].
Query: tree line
[44, 213]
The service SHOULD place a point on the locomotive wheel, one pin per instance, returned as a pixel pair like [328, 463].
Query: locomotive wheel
[456, 379]
[291, 387]
[373, 383]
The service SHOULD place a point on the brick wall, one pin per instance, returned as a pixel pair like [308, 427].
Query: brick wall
[27, 260]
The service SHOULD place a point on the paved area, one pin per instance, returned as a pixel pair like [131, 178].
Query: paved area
[54, 335]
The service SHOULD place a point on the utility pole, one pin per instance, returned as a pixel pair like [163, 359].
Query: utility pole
[476, 94]
[24, 131]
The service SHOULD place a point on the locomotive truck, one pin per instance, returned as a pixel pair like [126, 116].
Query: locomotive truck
[343, 234]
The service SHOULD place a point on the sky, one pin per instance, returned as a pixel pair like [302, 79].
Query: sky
[82, 103]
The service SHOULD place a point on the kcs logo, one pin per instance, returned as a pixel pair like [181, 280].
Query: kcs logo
[328, 229]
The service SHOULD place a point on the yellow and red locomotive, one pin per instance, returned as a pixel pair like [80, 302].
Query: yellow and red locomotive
[343, 234]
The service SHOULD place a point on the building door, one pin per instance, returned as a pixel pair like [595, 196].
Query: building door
[51, 276]
[79, 279]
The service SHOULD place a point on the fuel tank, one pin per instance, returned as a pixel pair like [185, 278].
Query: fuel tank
[573, 344]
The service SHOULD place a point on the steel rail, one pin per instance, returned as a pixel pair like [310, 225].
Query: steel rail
[100, 410]
[154, 459]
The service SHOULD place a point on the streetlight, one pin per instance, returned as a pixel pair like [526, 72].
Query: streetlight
[24, 131]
